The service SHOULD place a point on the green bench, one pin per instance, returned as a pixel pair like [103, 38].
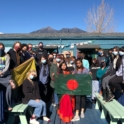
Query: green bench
[113, 108]
[18, 110]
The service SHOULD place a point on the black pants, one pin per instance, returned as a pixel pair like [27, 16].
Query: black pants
[80, 102]
[43, 88]
[106, 74]
[116, 82]
[45, 92]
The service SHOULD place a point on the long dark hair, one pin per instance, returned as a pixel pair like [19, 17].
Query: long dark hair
[24, 45]
[44, 58]
[82, 67]
[119, 61]
[60, 66]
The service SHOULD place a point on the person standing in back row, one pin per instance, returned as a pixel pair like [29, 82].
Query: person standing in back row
[85, 61]
[14, 53]
[41, 52]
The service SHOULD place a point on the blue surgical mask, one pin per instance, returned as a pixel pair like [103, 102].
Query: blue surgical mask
[72, 62]
[58, 60]
[43, 61]
[121, 53]
[115, 53]
[100, 53]
[31, 77]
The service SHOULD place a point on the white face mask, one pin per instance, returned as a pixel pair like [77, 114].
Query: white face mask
[31, 77]
[115, 53]
[58, 60]
[43, 61]
[121, 53]
[71, 62]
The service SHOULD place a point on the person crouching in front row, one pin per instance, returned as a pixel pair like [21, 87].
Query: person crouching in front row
[32, 97]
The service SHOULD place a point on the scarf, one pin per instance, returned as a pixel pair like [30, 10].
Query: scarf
[44, 74]
[18, 58]
[65, 110]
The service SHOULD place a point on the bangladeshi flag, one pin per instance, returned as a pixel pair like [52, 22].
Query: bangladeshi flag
[73, 84]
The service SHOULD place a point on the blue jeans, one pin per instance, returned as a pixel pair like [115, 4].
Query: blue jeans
[56, 98]
[39, 106]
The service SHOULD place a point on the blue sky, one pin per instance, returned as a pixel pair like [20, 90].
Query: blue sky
[24, 16]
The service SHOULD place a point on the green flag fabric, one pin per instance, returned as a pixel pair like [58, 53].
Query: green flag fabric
[73, 84]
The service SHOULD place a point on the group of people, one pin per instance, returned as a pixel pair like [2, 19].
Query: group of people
[107, 76]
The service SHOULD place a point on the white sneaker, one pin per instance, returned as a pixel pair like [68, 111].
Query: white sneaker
[34, 121]
[46, 119]
[76, 118]
[53, 104]
[82, 114]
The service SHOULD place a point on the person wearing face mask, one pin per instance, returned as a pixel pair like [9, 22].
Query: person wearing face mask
[14, 54]
[50, 59]
[30, 50]
[54, 54]
[67, 59]
[40, 52]
[44, 78]
[5, 76]
[118, 79]
[107, 95]
[72, 63]
[32, 97]
[24, 54]
[101, 55]
[58, 60]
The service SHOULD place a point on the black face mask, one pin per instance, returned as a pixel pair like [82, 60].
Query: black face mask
[41, 47]
[1, 52]
[51, 59]
[67, 56]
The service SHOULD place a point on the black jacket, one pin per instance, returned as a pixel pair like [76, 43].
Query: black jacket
[30, 91]
[93, 70]
[40, 53]
[24, 56]
[13, 59]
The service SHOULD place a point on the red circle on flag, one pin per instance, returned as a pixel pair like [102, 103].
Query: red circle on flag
[72, 84]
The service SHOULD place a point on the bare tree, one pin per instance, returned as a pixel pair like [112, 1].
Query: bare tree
[100, 19]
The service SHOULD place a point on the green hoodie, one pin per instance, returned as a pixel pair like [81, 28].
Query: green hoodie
[53, 69]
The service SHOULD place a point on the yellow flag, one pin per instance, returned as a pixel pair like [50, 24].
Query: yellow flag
[19, 73]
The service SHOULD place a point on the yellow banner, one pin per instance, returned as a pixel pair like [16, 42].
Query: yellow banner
[19, 73]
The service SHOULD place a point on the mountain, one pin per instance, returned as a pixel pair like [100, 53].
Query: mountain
[63, 30]
[71, 30]
[45, 30]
